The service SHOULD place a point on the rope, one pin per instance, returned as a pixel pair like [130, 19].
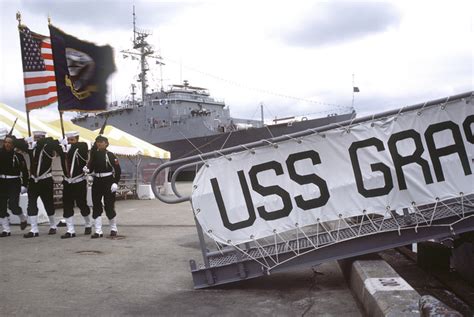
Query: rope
[259, 246]
[252, 151]
[422, 107]
[307, 238]
[269, 131]
[226, 139]
[434, 210]
[186, 138]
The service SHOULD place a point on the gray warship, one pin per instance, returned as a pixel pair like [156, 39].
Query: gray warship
[186, 120]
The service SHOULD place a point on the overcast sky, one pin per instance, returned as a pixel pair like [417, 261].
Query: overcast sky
[295, 57]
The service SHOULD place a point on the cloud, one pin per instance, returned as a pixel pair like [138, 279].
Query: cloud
[334, 22]
[108, 14]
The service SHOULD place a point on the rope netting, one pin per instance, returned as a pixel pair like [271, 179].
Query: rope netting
[294, 243]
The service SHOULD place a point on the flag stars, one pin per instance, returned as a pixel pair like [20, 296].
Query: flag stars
[32, 59]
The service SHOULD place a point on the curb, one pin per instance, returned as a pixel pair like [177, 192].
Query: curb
[378, 288]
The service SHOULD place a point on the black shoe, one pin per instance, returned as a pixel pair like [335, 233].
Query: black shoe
[52, 231]
[5, 234]
[113, 233]
[97, 235]
[68, 235]
[87, 231]
[30, 235]
[23, 225]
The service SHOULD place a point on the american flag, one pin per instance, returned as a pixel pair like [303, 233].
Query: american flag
[38, 69]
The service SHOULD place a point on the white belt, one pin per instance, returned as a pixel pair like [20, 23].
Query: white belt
[9, 176]
[74, 180]
[102, 174]
[36, 179]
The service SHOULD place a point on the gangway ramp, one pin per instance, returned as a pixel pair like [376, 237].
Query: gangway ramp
[345, 234]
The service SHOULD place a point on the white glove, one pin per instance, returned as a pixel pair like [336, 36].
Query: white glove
[29, 139]
[113, 188]
[23, 190]
[31, 145]
[63, 141]
[85, 170]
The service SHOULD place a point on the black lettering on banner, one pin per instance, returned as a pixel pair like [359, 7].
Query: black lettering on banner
[467, 128]
[308, 179]
[457, 147]
[399, 161]
[376, 167]
[248, 202]
[270, 190]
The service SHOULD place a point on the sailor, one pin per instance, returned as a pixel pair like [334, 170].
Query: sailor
[13, 181]
[105, 168]
[73, 160]
[41, 151]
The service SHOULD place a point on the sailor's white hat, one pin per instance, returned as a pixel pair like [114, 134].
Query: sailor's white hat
[71, 134]
[39, 133]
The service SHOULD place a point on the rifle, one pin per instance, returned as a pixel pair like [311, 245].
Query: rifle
[13, 127]
[102, 129]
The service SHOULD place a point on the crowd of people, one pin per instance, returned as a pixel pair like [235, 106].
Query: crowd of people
[36, 180]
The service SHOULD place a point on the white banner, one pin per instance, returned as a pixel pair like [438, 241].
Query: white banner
[414, 157]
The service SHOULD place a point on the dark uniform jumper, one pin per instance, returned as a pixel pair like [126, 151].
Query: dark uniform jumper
[13, 175]
[75, 184]
[105, 168]
[41, 181]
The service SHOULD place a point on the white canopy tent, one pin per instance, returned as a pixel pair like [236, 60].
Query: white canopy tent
[121, 143]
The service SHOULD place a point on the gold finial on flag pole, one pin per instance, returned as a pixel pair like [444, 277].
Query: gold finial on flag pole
[18, 17]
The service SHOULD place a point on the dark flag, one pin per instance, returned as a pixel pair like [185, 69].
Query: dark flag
[356, 89]
[81, 69]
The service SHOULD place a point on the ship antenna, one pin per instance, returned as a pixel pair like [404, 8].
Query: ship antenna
[134, 29]
[144, 50]
[133, 95]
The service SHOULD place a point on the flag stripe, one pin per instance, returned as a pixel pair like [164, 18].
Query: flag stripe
[40, 85]
[44, 73]
[41, 97]
[37, 80]
[39, 92]
[38, 69]
[42, 103]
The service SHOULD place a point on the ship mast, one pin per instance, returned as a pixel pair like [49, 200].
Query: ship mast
[143, 50]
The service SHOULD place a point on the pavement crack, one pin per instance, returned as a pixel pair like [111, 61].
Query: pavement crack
[312, 287]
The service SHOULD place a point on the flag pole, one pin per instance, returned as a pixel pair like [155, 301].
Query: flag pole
[28, 121]
[18, 18]
[62, 123]
[60, 112]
